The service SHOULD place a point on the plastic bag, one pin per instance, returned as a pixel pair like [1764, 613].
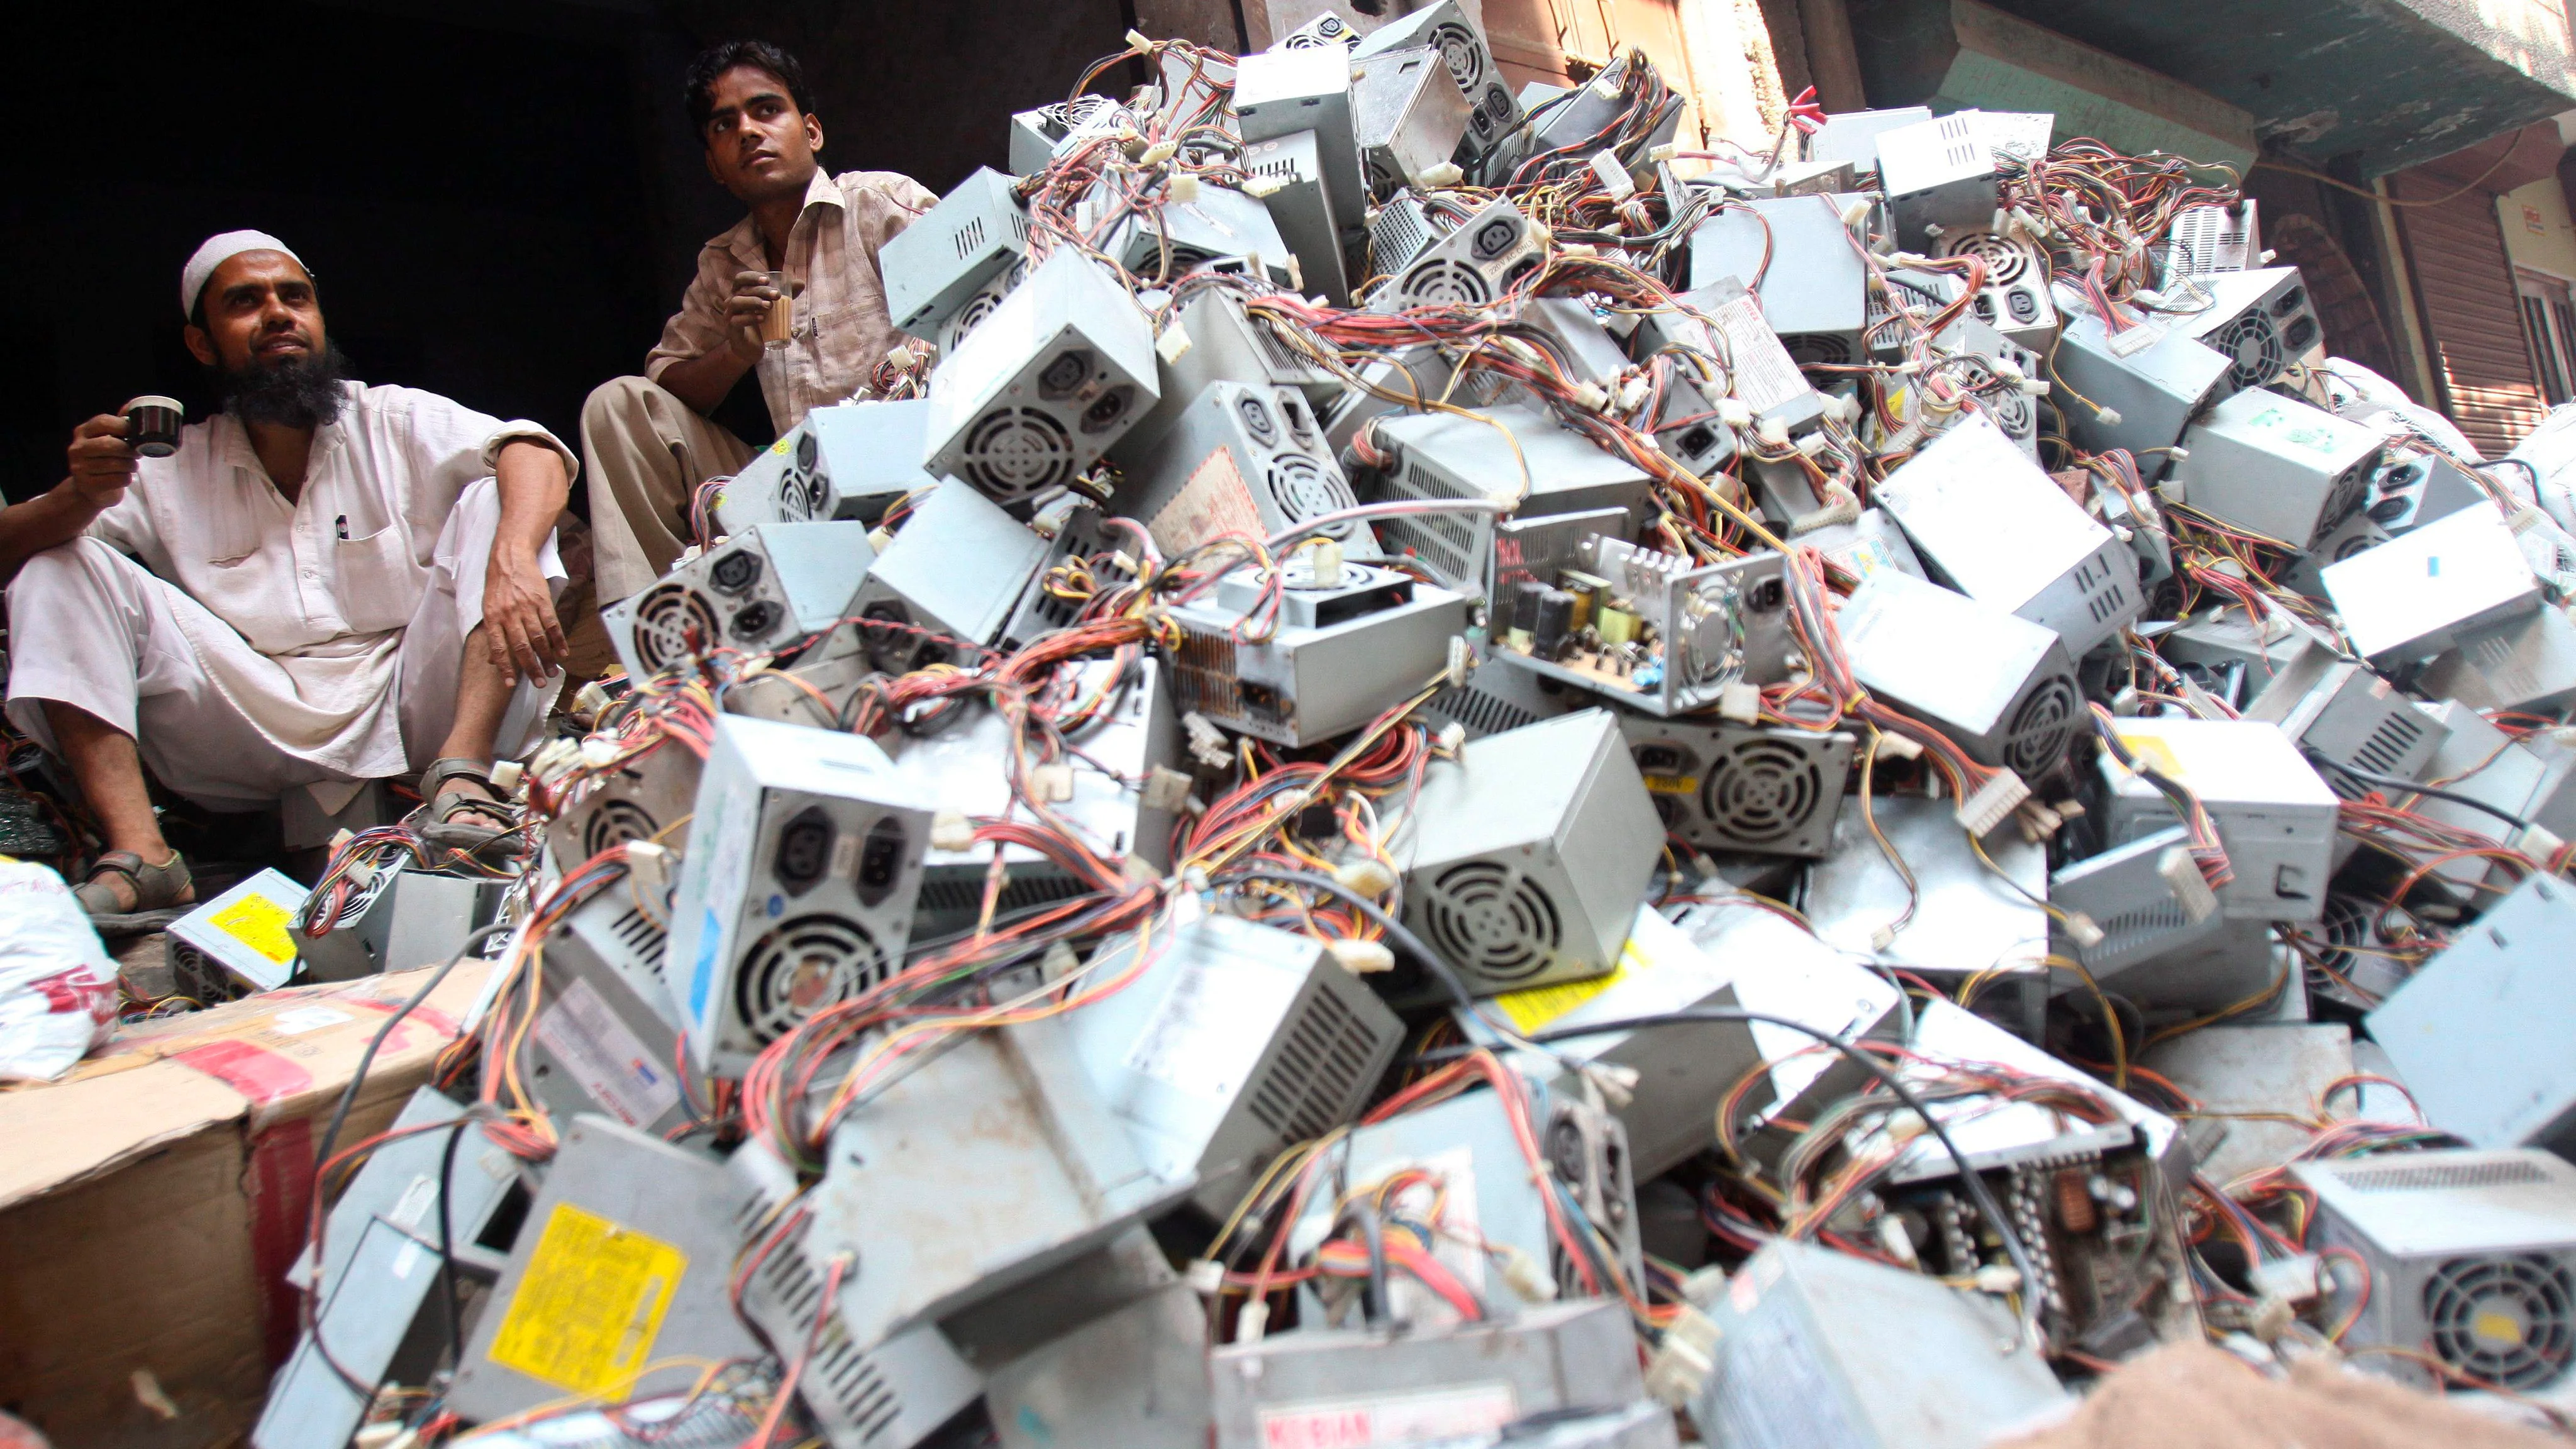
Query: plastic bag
[57, 982]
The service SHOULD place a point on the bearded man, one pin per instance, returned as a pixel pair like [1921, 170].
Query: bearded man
[327, 583]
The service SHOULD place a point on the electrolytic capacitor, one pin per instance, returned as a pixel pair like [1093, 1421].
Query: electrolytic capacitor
[1555, 622]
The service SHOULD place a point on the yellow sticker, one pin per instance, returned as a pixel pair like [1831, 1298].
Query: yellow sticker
[1673, 784]
[2149, 750]
[590, 1305]
[784, 446]
[1536, 1007]
[259, 923]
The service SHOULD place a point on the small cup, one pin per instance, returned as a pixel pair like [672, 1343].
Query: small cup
[780, 324]
[152, 426]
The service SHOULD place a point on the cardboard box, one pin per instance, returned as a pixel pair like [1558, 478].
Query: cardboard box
[151, 1202]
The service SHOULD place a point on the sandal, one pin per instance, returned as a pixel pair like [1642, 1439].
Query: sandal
[162, 893]
[440, 807]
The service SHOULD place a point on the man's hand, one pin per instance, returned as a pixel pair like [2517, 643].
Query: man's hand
[102, 461]
[519, 610]
[745, 311]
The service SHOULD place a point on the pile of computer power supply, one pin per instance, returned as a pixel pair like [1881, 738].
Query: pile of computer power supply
[1428, 773]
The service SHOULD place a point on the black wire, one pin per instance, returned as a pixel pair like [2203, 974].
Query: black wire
[1969, 1178]
[1441, 971]
[447, 1300]
[367, 1059]
[1379, 1307]
[2411, 787]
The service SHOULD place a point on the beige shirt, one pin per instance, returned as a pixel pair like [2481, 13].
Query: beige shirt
[326, 584]
[842, 330]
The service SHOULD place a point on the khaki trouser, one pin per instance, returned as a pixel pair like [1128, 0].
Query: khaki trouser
[644, 454]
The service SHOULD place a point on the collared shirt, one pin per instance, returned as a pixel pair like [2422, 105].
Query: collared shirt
[326, 584]
[842, 330]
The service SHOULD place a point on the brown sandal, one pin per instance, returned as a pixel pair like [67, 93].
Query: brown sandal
[440, 807]
[162, 893]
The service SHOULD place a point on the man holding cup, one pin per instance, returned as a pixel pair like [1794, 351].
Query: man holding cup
[792, 294]
[337, 583]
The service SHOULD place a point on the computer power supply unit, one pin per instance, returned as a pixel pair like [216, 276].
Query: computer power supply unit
[243, 941]
[1408, 115]
[2413, 489]
[2001, 687]
[1342, 652]
[398, 920]
[1938, 176]
[647, 798]
[2261, 321]
[2526, 665]
[1514, 455]
[1235, 1041]
[948, 583]
[2128, 893]
[1683, 1072]
[2207, 239]
[799, 886]
[1820, 1347]
[2335, 710]
[1852, 136]
[1448, 27]
[1961, 918]
[2275, 465]
[845, 461]
[932, 266]
[1325, 29]
[1473, 265]
[1724, 786]
[1225, 344]
[1797, 256]
[942, 1211]
[2414, 597]
[1648, 629]
[2476, 1032]
[2138, 389]
[1135, 1376]
[986, 301]
[1287, 174]
[2015, 299]
[1283, 92]
[1983, 514]
[2275, 817]
[2471, 1256]
[1038, 391]
[1181, 237]
[1041, 135]
[1243, 459]
[621, 1265]
[607, 1032]
[1764, 376]
[1389, 1386]
[1529, 853]
[890, 1396]
[755, 593]
[966, 766]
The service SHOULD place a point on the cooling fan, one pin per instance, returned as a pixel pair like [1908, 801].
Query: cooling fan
[802, 965]
[1303, 490]
[2507, 1321]
[1733, 787]
[1818, 349]
[1763, 791]
[2042, 727]
[1441, 282]
[1497, 925]
[673, 623]
[1012, 453]
[2007, 261]
[2253, 348]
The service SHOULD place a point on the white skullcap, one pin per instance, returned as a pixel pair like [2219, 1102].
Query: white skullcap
[219, 249]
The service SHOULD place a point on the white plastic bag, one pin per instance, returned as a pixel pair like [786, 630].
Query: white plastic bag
[57, 982]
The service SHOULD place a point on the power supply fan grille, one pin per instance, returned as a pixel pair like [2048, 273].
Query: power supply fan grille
[637, 933]
[2403, 1176]
[2042, 727]
[1818, 349]
[2252, 347]
[801, 496]
[2346, 928]
[2343, 502]
[971, 316]
[1317, 1073]
[1466, 56]
[1441, 283]
[1495, 923]
[615, 822]
[1301, 489]
[356, 904]
[803, 964]
[2005, 259]
[2013, 412]
[1382, 177]
[1482, 713]
[1014, 452]
[2509, 1321]
[672, 620]
[1763, 790]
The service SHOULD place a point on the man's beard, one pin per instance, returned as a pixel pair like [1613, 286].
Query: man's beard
[300, 392]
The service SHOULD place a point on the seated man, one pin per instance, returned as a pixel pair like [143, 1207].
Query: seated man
[338, 583]
[648, 440]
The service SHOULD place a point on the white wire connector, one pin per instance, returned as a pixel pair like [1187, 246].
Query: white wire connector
[2190, 888]
[1739, 701]
[1440, 176]
[1059, 961]
[598, 752]
[1898, 747]
[1051, 784]
[951, 830]
[1591, 396]
[1773, 432]
[1160, 152]
[1684, 1360]
[1526, 1276]
[506, 775]
[1735, 412]
[1459, 661]
[1368, 876]
[1205, 1277]
[1663, 153]
[1998, 1279]
[1207, 742]
[1165, 789]
[1361, 958]
[1991, 803]
[1174, 343]
[2084, 930]
[2109, 417]
[1324, 563]
[1613, 176]
[1262, 188]
[1184, 190]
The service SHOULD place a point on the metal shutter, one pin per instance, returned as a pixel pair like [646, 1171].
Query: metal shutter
[2466, 286]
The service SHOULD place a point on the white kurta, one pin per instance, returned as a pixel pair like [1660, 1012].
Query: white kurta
[294, 615]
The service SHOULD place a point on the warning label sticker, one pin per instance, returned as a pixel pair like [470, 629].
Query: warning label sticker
[1364, 1423]
[259, 923]
[1534, 1008]
[608, 1059]
[1215, 501]
[590, 1305]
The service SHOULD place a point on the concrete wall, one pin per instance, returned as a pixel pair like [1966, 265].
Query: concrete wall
[2538, 232]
